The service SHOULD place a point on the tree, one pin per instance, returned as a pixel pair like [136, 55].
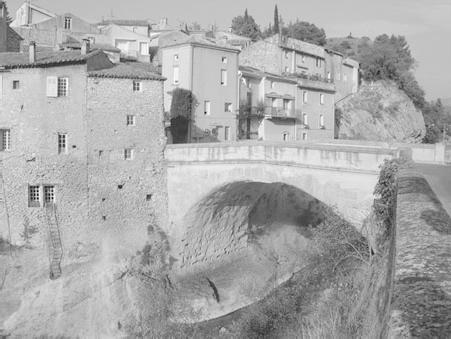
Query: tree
[246, 26]
[276, 21]
[8, 18]
[182, 107]
[305, 31]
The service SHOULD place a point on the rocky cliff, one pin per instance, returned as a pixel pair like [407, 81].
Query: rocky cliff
[380, 111]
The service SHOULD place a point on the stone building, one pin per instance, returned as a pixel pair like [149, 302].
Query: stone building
[81, 147]
[210, 72]
[282, 55]
[49, 30]
[284, 108]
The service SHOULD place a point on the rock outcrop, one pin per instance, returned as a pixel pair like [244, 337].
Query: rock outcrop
[380, 111]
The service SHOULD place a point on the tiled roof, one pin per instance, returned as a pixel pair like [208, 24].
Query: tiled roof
[125, 22]
[197, 40]
[135, 70]
[44, 59]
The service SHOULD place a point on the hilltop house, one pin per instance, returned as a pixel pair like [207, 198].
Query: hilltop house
[210, 72]
[287, 56]
[282, 108]
[80, 148]
[48, 30]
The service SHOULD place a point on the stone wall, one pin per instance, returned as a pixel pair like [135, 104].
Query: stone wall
[125, 196]
[421, 304]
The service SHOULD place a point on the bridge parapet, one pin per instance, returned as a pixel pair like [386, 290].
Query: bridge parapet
[316, 155]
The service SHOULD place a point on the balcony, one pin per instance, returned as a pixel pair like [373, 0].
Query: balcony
[280, 113]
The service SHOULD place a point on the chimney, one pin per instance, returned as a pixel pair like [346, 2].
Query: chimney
[32, 52]
[85, 46]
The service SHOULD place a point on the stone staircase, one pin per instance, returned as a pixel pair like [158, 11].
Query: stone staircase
[55, 243]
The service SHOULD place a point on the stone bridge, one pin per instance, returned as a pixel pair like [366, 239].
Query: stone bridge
[340, 175]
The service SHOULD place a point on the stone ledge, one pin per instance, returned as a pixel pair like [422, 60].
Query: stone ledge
[421, 303]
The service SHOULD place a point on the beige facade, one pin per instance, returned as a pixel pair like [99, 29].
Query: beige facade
[210, 72]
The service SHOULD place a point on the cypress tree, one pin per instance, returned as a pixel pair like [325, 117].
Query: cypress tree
[276, 20]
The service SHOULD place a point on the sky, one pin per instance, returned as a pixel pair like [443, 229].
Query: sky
[425, 23]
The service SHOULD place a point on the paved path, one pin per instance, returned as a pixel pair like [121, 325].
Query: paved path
[439, 178]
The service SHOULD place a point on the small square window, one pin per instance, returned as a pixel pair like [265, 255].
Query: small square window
[49, 195]
[34, 196]
[16, 84]
[228, 107]
[62, 143]
[131, 120]
[63, 87]
[224, 60]
[129, 154]
[137, 86]
[5, 135]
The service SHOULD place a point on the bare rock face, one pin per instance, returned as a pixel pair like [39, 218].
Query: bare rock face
[380, 112]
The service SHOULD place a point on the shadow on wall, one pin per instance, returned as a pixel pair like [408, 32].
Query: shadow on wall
[230, 219]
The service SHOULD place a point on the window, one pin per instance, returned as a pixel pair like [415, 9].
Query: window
[305, 97]
[67, 22]
[287, 69]
[49, 195]
[273, 84]
[329, 76]
[129, 154]
[305, 119]
[34, 196]
[137, 86]
[176, 57]
[227, 133]
[285, 136]
[303, 58]
[16, 84]
[63, 87]
[207, 107]
[144, 48]
[223, 77]
[318, 62]
[224, 60]
[286, 54]
[131, 120]
[304, 136]
[321, 121]
[274, 102]
[228, 107]
[176, 75]
[286, 104]
[6, 139]
[321, 99]
[62, 143]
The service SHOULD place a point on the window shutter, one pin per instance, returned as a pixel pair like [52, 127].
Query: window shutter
[52, 86]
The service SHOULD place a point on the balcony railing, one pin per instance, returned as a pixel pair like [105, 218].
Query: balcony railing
[269, 112]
